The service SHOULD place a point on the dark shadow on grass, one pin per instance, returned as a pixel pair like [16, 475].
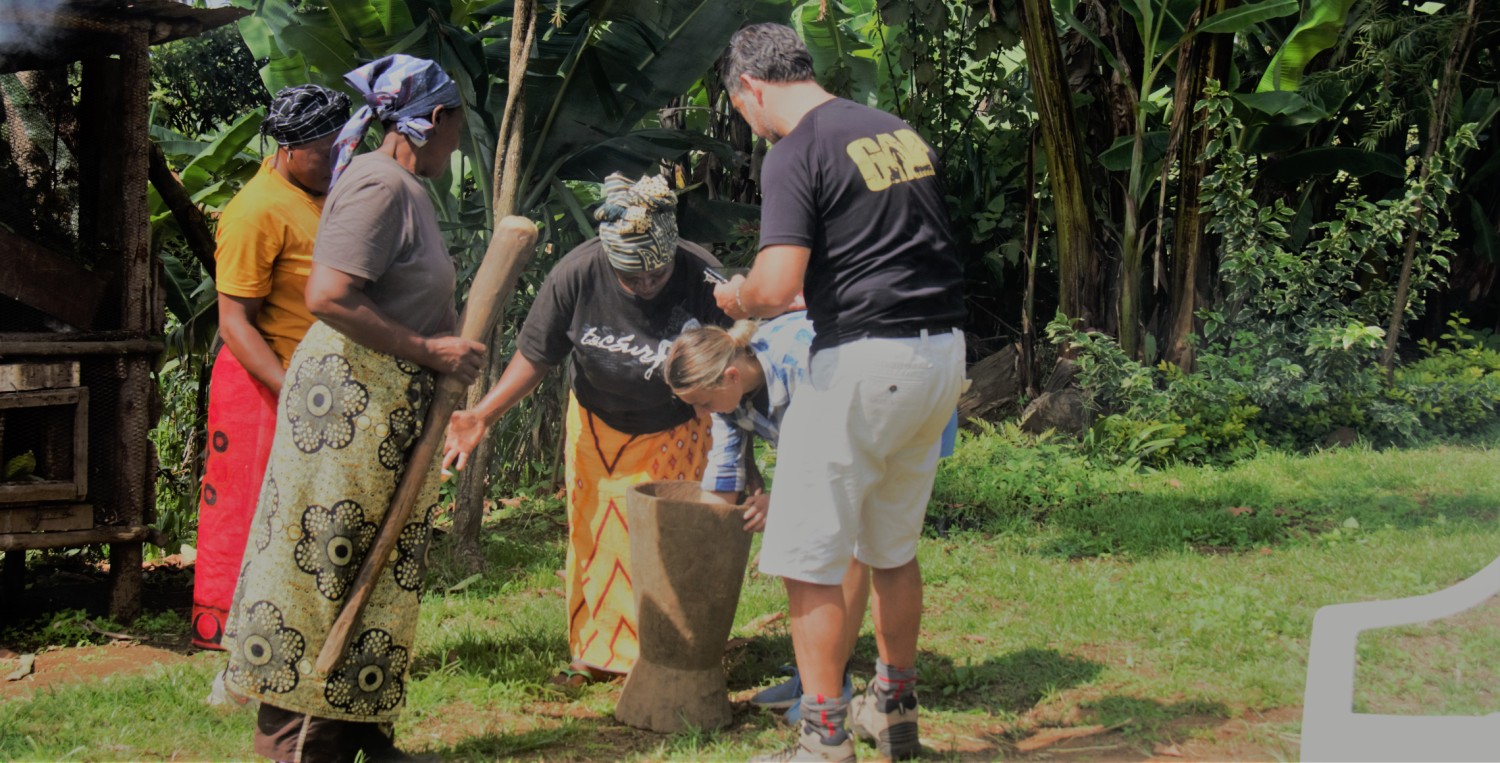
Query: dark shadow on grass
[758, 661]
[501, 746]
[1014, 682]
[530, 657]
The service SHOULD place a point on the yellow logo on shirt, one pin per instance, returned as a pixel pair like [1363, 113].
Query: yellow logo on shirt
[891, 158]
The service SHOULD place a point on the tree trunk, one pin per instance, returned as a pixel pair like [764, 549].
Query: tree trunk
[194, 227]
[1435, 130]
[473, 482]
[1032, 233]
[1066, 170]
[1206, 57]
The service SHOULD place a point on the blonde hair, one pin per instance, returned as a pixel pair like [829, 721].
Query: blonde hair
[699, 356]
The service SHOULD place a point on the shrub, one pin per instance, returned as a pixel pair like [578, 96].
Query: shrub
[1001, 478]
[1455, 388]
[1289, 354]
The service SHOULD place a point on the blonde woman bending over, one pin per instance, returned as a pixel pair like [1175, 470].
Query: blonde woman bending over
[745, 376]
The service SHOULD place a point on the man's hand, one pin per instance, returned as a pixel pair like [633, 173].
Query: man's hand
[728, 297]
[455, 356]
[465, 430]
[756, 506]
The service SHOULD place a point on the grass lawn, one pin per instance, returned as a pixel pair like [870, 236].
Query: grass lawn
[1187, 649]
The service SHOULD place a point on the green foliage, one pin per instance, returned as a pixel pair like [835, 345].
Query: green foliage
[63, 628]
[1157, 416]
[199, 83]
[1319, 29]
[1298, 297]
[1454, 389]
[179, 439]
[1288, 357]
[1000, 477]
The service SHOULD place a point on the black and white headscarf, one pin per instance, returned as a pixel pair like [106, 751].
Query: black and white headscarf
[305, 113]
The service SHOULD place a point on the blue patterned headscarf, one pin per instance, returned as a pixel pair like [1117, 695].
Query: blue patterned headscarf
[400, 89]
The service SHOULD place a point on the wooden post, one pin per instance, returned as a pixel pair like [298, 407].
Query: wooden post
[141, 313]
[13, 587]
[468, 510]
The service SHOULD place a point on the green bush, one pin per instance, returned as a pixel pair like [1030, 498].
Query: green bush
[1455, 388]
[1001, 478]
[1289, 355]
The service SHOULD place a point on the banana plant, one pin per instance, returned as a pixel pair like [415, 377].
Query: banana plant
[840, 36]
[1317, 31]
[213, 170]
[598, 72]
[1163, 27]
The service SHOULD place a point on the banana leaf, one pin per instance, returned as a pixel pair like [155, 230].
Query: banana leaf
[640, 152]
[222, 156]
[1318, 31]
[613, 62]
[1486, 240]
[1326, 160]
[1170, 16]
[1117, 157]
[1242, 17]
[841, 59]
[706, 220]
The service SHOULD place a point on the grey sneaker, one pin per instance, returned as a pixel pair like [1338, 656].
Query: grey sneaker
[890, 724]
[811, 746]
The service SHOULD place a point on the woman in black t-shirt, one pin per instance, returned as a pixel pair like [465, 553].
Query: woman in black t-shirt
[615, 303]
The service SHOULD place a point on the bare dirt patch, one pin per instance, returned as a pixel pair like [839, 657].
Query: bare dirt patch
[1254, 736]
[75, 665]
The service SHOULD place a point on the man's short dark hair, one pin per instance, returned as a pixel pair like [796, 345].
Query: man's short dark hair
[769, 52]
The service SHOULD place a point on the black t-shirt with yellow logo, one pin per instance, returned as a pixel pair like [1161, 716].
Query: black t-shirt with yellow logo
[860, 189]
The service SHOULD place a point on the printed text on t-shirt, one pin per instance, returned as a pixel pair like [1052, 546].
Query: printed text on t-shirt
[650, 357]
[891, 158]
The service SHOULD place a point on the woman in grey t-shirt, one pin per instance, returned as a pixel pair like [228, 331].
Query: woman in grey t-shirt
[614, 304]
[356, 393]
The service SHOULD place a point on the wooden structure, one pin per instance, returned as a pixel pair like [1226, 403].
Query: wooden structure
[81, 301]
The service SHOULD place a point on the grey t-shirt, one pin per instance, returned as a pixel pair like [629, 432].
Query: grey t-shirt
[378, 224]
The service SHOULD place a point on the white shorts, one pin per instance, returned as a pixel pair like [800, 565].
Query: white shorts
[857, 454]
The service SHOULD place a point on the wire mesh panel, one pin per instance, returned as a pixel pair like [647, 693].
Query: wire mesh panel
[38, 158]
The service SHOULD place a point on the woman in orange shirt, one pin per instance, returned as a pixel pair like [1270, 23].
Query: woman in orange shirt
[264, 256]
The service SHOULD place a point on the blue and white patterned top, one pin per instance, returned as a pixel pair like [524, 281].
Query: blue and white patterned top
[783, 345]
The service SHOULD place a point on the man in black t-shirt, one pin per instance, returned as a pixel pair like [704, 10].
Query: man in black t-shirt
[854, 214]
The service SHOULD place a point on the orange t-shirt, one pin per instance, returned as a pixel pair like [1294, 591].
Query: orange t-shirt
[265, 238]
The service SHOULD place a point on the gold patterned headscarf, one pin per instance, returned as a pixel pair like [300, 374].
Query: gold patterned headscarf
[638, 223]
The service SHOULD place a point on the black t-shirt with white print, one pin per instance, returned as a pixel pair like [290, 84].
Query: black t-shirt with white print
[861, 189]
[619, 342]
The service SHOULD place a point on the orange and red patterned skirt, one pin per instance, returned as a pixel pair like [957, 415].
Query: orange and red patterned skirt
[602, 463]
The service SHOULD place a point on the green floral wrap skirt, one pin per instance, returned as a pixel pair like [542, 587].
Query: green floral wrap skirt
[345, 421]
